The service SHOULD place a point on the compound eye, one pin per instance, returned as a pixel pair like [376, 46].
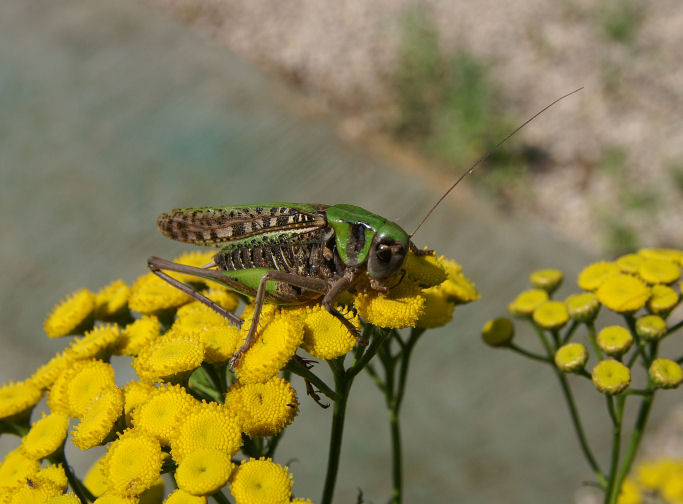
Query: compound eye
[384, 253]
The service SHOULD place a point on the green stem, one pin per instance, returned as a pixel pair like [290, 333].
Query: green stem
[397, 459]
[633, 444]
[576, 420]
[342, 383]
[674, 328]
[527, 353]
[570, 331]
[617, 417]
[594, 341]
[81, 491]
[295, 367]
[405, 362]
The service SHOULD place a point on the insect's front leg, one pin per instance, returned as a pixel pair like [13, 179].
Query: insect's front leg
[339, 286]
[418, 251]
[157, 265]
[308, 283]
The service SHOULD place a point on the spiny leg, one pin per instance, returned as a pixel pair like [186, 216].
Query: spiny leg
[337, 288]
[156, 265]
[308, 283]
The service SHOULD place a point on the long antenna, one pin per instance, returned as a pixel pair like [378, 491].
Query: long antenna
[488, 154]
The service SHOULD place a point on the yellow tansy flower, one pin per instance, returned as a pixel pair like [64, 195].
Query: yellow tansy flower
[659, 271]
[99, 420]
[18, 398]
[582, 307]
[112, 498]
[151, 294]
[277, 341]
[546, 279]
[86, 384]
[551, 315]
[223, 297]
[161, 413]
[498, 332]
[64, 499]
[46, 374]
[401, 307]
[208, 425]
[427, 270]
[650, 327]
[196, 316]
[112, 300]
[97, 343]
[172, 357]
[438, 309]
[571, 357]
[325, 337]
[623, 293]
[180, 496]
[154, 494]
[630, 493]
[71, 314]
[16, 467]
[629, 263]
[457, 287]
[204, 471]
[34, 490]
[260, 481]
[611, 377]
[135, 393]
[46, 436]
[197, 431]
[58, 397]
[220, 338]
[139, 334]
[265, 408]
[614, 340]
[662, 253]
[95, 480]
[527, 301]
[133, 463]
[666, 373]
[56, 474]
[663, 299]
[196, 258]
[595, 274]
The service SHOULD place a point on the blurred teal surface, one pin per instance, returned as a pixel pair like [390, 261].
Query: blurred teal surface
[112, 114]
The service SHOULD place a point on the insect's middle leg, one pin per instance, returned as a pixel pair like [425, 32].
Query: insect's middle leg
[308, 283]
[337, 288]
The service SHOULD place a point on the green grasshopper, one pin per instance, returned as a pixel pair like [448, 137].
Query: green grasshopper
[292, 253]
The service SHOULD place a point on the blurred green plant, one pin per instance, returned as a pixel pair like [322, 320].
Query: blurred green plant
[446, 102]
[620, 20]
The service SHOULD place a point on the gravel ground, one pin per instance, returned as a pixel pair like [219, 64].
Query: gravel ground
[345, 57]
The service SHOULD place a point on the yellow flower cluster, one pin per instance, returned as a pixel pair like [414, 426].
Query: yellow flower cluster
[632, 284]
[658, 480]
[179, 414]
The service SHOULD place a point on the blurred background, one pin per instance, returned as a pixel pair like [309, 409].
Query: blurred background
[112, 113]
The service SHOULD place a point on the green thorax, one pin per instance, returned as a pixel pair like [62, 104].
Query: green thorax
[355, 228]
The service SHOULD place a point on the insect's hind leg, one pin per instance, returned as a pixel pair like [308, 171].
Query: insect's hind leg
[157, 265]
[308, 283]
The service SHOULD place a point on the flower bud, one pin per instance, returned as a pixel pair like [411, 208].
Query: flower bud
[527, 301]
[614, 340]
[548, 279]
[571, 357]
[551, 315]
[611, 377]
[650, 327]
[583, 307]
[498, 332]
[666, 373]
